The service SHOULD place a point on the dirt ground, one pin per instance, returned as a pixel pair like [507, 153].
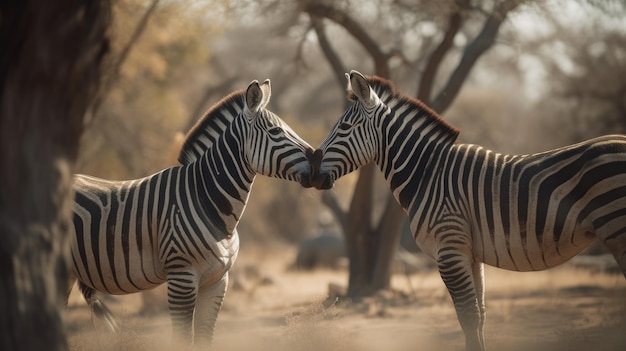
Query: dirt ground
[270, 307]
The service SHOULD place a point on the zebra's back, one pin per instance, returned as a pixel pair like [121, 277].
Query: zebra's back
[531, 212]
[115, 247]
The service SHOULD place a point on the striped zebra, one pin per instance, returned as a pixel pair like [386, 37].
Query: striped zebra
[470, 206]
[179, 225]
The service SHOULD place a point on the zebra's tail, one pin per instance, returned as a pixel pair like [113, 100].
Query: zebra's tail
[98, 308]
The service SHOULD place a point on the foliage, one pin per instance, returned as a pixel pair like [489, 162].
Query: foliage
[146, 105]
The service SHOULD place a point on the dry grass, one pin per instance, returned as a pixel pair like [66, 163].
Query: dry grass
[560, 309]
[312, 328]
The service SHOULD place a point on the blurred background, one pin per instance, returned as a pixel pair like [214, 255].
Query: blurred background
[516, 76]
[555, 74]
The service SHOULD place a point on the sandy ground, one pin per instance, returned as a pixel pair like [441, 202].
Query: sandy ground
[270, 307]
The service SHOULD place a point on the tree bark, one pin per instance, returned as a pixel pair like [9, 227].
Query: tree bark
[388, 232]
[359, 234]
[49, 73]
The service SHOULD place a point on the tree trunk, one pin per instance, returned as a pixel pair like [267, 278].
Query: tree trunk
[359, 236]
[370, 247]
[49, 72]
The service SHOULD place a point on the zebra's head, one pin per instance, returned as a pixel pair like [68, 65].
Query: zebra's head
[352, 142]
[272, 148]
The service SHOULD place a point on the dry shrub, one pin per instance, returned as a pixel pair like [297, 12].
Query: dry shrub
[311, 329]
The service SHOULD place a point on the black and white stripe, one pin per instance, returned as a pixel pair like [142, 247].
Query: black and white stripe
[468, 205]
[179, 225]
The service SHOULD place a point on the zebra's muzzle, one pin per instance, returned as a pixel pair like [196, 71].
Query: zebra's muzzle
[320, 180]
[307, 178]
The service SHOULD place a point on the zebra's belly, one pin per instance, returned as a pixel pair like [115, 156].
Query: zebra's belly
[517, 253]
[120, 283]
[117, 274]
[137, 285]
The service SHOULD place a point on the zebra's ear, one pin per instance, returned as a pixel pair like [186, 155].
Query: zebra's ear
[266, 87]
[254, 98]
[361, 88]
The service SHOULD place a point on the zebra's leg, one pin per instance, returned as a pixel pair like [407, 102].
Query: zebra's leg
[210, 299]
[457, 271]
[478, 272]
[616, 244]
[182, 290]
[98, 308]
[612, 233]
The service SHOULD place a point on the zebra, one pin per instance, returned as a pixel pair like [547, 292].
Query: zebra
[178, 226]
[469, 206]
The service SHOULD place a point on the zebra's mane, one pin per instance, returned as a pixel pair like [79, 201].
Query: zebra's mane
[394, 98]
[210, 126]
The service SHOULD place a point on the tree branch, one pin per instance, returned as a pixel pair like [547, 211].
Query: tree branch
[316, 9]
[472, 53]
[114, 74]
[299, 57]
[436, 57]
[331, 55]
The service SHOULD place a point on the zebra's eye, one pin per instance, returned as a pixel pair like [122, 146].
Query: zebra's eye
[345, 126]
[275, 131]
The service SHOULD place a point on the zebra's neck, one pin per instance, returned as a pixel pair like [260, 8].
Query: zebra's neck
[223, 184]
[413, 145]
